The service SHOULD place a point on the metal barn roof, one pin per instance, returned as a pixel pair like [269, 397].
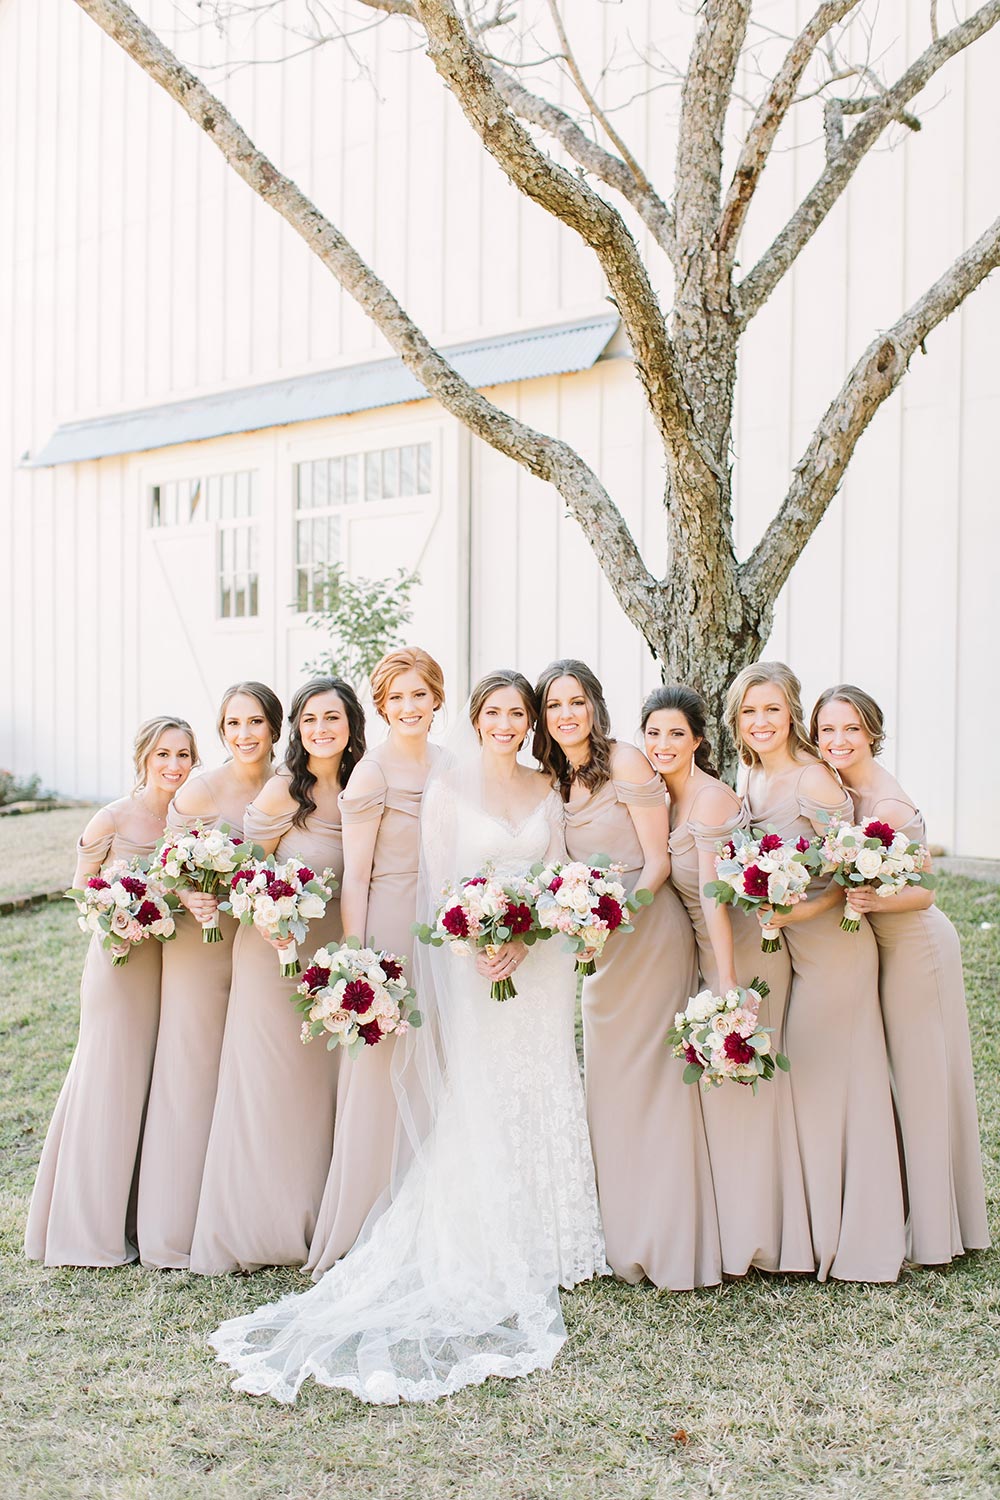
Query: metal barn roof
[529, 355]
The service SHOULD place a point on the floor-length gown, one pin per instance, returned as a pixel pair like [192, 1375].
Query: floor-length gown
[194, 997]
[839, 1072]
[752, 1144]
[83, 1207]
[653, 1172]
[366, 1106]
[272, 1130]
[458, 1279]
[930, 1058]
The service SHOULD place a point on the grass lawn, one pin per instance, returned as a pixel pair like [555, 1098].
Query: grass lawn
[37, 850]
[768, 1387]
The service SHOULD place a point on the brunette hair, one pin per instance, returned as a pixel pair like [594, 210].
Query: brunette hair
[269, 704]
[146, 736]
[756, 675]
[864, 705]
[596, 772]
[501, 678]
[302, 779]
[690, 703]
[406, 659]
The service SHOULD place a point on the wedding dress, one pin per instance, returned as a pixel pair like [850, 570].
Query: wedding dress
[494, 1205]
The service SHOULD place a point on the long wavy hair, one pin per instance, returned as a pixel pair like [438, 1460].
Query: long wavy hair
[503, 677]
[302, 780]
[270, 707]
[756, 675]
[690, 703]
[864, 705]
[596, 770]
[146, 737]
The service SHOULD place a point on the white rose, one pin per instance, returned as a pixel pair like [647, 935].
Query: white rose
[886, 890]
[732, 999]
[868, 862]
[310, 906]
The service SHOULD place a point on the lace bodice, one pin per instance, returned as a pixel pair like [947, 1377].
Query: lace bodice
[485, 839]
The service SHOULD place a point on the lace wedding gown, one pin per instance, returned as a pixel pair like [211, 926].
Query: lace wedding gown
[457, 1279]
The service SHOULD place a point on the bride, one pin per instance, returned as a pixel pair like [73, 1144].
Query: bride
[493, 1204]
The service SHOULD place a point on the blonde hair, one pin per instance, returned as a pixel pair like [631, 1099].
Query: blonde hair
[864, 705]
[756, 675]
[406, 659]
[146, 737]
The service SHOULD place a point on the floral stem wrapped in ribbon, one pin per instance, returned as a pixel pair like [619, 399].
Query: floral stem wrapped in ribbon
[203, 859]
[280, 900]
[586, 904]
[719, 1038]
[484, 911]
[760, 868]
[872, 854]
[124, 906]
[355, 997]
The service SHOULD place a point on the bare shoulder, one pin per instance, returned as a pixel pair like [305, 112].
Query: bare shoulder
[275, 797]
[716, 804]
[819, 783]
[539, 783]
[197, 797]
[366, 778]
[102, 824]
[896, 811]
[629, 764]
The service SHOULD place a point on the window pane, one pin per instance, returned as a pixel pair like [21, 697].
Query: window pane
[321, 487]
[253, 607]
[336, 481]
[373, 476]
[350, 478]
[154, 506]
[390, 473]
[303, 542]
[242, 494]
[225, 601]
[240, 598]
[408, 471]
[302, 589]
[212, 490]
[252, 534]
[424, 473]
[303, 485]
[228, 496]
[252, 489]
[242, 549]
[194, 500]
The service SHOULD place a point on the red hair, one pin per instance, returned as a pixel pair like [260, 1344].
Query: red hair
[406, 659]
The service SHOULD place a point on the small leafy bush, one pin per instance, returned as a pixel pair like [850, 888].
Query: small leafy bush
[362, 618]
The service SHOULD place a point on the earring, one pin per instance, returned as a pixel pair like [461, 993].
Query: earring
[691, 772]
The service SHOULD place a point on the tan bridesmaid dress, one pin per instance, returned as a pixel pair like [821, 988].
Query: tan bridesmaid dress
[930, 1059]
[83, 1207]
[272, 1130]
[839, 1072]
[752, 1145]
[654, 1179]
[194, 996]
[366, 1105]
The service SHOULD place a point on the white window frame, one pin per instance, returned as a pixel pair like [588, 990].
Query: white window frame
[254, 464]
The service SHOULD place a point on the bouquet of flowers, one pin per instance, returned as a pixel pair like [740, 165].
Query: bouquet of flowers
[124, 906]
[870, 853]
[202, 860]
[760, 868]
[356, 997]
[718, 1037]
[280, 900]
[586, 903]
[485, 911]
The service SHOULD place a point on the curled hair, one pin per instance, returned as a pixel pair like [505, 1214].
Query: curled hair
[690, 703]
[756, 675]
[596, 770]
[146, 737]
[406, 659]
[864, 705]
[270, 707]
[302, 780]
[493, 681]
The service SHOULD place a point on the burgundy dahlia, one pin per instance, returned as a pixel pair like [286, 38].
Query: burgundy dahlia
[609, 912]
[738, 1049]
[96, 883]
[770, 842]
[278, 888]
[147, 914]
[305, 875]
[755, 882]
[241, 875]
[880, 831]
[518, 918]
[358, 996]
[729, 849]
[369, 1033]
[316, 977]
[476, 880]
[391, 967]
[133, 886]
[555, 883]
[691, 1056]
[801, 843]
[455, 922]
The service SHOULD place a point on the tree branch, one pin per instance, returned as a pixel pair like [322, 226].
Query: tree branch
[768, 119]
[546, 457]
[758, 285]
[705, 100]
[820, 470]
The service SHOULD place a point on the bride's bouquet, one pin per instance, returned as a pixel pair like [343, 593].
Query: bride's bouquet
[485, 911]
[123, 906]
[872, 854]
[280, 900]
[719, 1037]
[356, 997]
[202, 860]
[585, 903]
[760, 868]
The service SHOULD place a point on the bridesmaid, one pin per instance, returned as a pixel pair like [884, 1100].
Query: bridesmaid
[272, 1130]
[653, 1174]
[923, 1003]
[83, 1207]
[380, 808]
[835, 1042]
[194, 993]
[759, 1192]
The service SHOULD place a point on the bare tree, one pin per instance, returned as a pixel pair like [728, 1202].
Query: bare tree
[708, 614]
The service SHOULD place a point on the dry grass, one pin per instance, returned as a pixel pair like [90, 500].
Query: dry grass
[767, 1388]
[37, 850]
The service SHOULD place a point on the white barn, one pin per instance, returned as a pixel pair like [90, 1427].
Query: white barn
[192, 414]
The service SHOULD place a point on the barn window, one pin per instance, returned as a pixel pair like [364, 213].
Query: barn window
[327, 490]
[228, 502]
